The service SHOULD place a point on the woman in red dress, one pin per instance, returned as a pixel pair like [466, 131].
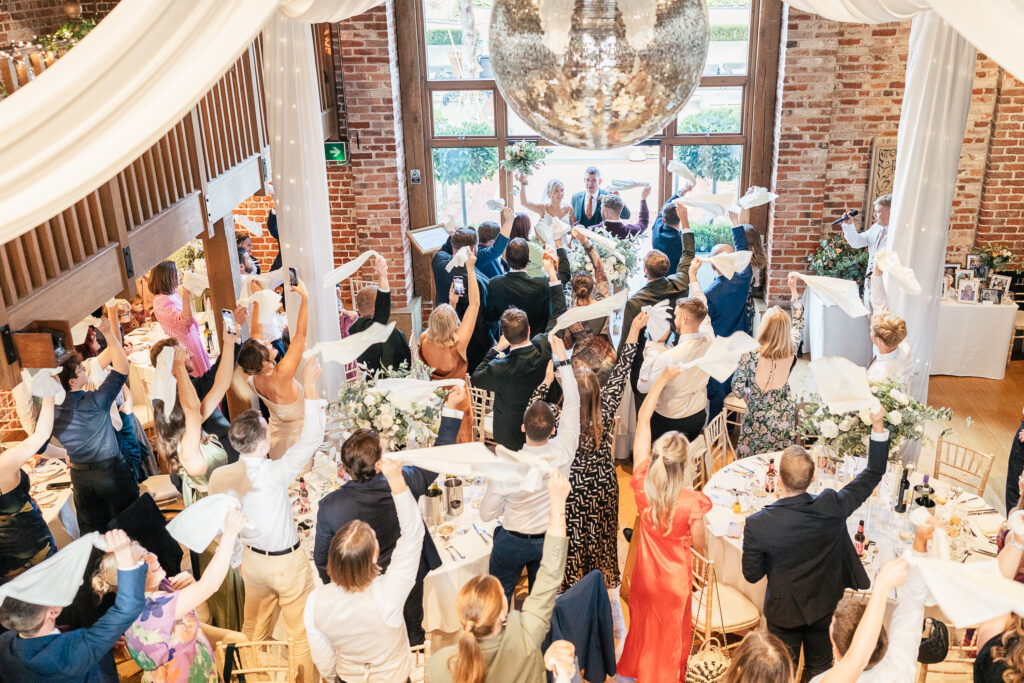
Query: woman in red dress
[671, 521]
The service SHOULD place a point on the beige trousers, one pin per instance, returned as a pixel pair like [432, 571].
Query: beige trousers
[280, 581]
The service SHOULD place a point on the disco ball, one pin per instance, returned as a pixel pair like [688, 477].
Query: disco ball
[598, 74]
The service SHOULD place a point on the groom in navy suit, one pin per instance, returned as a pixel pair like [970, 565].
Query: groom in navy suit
[586, 205]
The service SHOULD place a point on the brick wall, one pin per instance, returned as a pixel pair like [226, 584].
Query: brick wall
[841, 85]
[23, 19]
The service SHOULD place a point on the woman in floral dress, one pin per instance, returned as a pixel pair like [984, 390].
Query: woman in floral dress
[166, 640]
[762, 379]
[592, 509]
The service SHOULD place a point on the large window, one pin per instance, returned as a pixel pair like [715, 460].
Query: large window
[468, 124]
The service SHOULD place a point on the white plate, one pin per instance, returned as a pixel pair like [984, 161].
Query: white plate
[49, 467]
[45, 498]
[974, 503]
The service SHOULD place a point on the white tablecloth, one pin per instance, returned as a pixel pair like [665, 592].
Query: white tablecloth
[882, 523]
[441, 586]
[973, 340]
[829, 332]
[140, 369]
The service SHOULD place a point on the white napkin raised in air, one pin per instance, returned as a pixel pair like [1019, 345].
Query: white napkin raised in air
[730, 262]
[550, 229]
[756, 196]
[165, 386]
[676, 167]
[723, 355]
[619, 185]
[269, 302]
[842, 293]
[889, 262]
[843, 385]
[458, 259]
[406, 392]
[254, 228]
[450, 226]
[44, 384]
[496, 204]
[271, 280]
[606, 243]
[81, 330]
[200, 523]
[347, 270]
[598, 309]
[471, 459]
[659, 320]
[196, 283]
[351, 347]
[969, 593]
[54, 582]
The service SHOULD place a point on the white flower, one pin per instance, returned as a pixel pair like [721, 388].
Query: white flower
[918, 428]
[369, 401]
[828, 429]
[894, 417]
[847, 423]
[865, 416]
[874, 390]
[864, 439]
[899, 397]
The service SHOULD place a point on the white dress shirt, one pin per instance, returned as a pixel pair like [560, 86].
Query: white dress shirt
[900, 661]
[527, 512]
[873, 238]
[898, 363]
[361, 636]
[687, 394]
[266, 505]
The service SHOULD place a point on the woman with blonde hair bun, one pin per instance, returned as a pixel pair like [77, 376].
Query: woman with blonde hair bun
[494, 643]
[762, 380]
[670, 523]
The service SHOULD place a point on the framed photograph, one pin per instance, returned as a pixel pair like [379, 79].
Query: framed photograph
[950, 268]
[973, 261]
[961, 275]
[967, 291]
[989, 294]
[1001, 282]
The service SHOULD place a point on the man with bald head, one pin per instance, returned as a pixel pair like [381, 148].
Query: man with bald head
[727, 308]
[373, 304]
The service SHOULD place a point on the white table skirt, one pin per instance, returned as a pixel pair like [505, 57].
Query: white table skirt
[829, 332]
[973, 340]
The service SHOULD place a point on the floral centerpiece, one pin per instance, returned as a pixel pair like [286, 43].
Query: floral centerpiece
[836, 258]
[362, 406]
[993, 256]
[617, 271]
[523, 157]
[848, 433]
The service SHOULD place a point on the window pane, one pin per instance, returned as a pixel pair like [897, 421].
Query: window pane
[730, 30]
[712, 110]
[456, 39]
[463, 112]
[516, 126]
[717, 169]
[464, 179]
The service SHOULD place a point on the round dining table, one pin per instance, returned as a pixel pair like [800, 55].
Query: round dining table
[888, 532]
[50, 488]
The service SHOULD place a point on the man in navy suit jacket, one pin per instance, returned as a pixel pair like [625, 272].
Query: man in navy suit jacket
[33, 650]
[591, 198]
[727, 307]
[482, 338]
[802, 544]
[367, 496]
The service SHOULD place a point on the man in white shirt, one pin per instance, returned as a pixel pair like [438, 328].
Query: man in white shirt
[519, 541]
[895, 653]
[682, 406]
[275, 569]
[892, 355]
[873, 238]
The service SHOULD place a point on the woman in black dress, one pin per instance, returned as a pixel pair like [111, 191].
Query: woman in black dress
[25, 540]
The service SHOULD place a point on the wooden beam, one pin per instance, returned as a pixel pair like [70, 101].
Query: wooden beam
[117, 228]
[156, 239]
[410, 75]
[762, 113]
[228, 190]
[225, 284]
[74, 295]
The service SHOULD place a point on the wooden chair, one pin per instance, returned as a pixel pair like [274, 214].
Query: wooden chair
[1018, 333]
[720, 451]
[720, 603]
[263, 660]
[965, 466]
[482, 402]
[734, 409]
[959, 662]
[699, 462]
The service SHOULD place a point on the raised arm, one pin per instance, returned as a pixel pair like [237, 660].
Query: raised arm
[857, 240]
[382, 304]
[225, 371]
[118, 359]
[642, 440]
[532, 206]
[796, 314]
[289, 365]
[398, 580]
[879, 297]
[195, 594]
[539, 605]
[568, 434]
[557, 294]
[298, 456]
[689, 248]
[600, 277]
[853, 495]
[14, 457]
[614, 388]
[190, 455]
[468, 325]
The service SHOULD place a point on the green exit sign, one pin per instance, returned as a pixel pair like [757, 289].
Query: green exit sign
[336, 151]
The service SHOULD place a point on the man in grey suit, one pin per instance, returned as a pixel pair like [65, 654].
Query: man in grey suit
[586, 205]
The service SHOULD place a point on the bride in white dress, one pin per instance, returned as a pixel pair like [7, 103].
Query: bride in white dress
[554, 193]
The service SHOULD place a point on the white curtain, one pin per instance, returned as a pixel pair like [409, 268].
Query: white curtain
[123, 87]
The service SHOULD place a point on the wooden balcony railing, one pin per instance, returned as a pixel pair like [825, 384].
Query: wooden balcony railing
[186, 184]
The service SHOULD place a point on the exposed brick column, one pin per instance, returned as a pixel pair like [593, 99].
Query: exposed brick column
[1001, 215]
[24, 19]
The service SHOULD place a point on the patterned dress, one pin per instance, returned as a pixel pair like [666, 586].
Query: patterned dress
[592, 509]
[771, 415]
[167, 309]
[169, 649]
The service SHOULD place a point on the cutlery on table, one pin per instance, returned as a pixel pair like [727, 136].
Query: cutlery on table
[456, 551]
[482, 533]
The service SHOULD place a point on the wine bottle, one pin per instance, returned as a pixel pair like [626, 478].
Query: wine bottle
[924, 492]
[903, 486]
[769, 478]
[859, 539]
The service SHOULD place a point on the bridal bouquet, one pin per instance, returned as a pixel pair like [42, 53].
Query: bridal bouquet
[362, 406]
[523, 158]
[616, 270]
[848, 433]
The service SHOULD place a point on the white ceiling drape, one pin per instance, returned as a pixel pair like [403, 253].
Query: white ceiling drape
[122, 87]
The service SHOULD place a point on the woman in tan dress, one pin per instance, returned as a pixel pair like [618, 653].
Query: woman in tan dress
[443, 346]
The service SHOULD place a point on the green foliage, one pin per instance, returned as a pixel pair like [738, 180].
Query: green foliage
[470, 165]
[524, 157]
[994, 256]
[836, 258]
[185, 257]
[712, 162]
[67, 35]
[444, 36]
[707, 235]
[729, 32]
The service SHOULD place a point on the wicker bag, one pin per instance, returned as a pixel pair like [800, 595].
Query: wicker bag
[709, 663]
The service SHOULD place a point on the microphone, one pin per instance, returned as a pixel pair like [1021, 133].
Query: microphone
[851, 214]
